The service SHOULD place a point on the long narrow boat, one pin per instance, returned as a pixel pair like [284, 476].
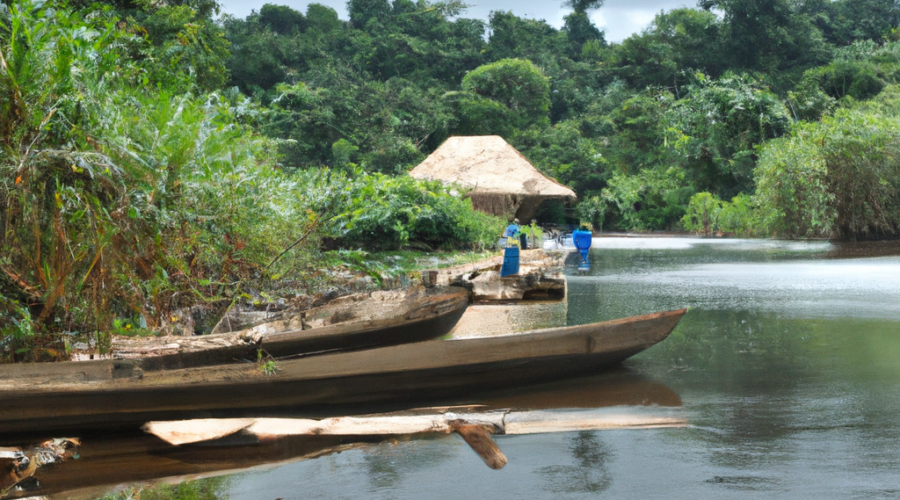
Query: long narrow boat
[360, 321]
[107, 392]
[110, 459]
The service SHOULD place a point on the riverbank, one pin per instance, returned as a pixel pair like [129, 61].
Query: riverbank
[240, 326]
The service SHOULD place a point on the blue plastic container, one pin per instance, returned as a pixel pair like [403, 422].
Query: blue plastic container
[582, 241]
[510, 261]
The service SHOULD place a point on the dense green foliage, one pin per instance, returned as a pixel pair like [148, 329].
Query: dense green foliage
[127, 195]
[636, 128]
[154, 157]
[380, 212]
[838, 176]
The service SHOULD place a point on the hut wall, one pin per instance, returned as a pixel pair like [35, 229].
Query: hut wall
[501, 205]
[508, 206]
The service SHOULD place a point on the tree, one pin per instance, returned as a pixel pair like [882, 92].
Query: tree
[322, 18]
[185, 41]
[677, 44]
[363, 11]
[767, 35]
[514, 37]
[580, 30]
[845, 21]
[282, 19]
[582, 6]
[714, 131]
[517, 84]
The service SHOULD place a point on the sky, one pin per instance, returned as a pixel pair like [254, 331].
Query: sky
[617, 18]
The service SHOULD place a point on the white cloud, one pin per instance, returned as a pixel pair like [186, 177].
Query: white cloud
[618, 18]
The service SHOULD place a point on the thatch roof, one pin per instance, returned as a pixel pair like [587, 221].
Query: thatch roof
[502, 181]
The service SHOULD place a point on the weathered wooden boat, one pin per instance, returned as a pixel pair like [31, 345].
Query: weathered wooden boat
[108, 392]
[359, 321]
[109, 460]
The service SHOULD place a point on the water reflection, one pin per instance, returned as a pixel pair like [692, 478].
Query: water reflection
[589, 474]
[213, 488]
[790, 279]
[127, 462]
[387, 466]
[621, 387]
[137, 461]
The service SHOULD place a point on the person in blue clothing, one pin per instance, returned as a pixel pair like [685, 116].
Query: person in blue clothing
[513, 229]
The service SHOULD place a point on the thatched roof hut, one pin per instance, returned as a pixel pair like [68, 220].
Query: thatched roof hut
[502, 181]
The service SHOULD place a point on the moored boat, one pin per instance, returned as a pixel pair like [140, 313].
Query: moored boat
[359, 321]
[117, 392]
[108, 460]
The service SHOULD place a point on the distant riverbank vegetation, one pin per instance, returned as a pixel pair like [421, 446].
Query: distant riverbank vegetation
[158, 155]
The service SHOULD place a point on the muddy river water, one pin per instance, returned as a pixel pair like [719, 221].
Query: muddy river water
[787, 368]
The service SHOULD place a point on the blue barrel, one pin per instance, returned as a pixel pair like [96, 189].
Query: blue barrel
[582, 240]
[510, 261]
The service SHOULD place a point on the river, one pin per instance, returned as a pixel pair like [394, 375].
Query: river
[787, 367]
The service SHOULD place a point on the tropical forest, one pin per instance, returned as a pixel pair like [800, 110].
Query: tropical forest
[157, 155]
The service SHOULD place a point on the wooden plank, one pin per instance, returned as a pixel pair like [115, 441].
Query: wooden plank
[499, 422]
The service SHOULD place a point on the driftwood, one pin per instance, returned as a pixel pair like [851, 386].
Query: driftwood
[18, 465]
[181, 432]
[478, 437]
[474, 427]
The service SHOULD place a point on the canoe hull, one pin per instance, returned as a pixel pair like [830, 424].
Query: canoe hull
[334, 383]
[429, 316]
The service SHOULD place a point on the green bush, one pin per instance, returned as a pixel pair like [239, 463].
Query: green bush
[839, 177]
[706, 214]
[703, 214]
[652, 199]
[381, 212]
[120, 199]
[592, 210]
[739, 216]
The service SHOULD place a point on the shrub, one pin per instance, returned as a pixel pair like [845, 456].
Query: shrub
[119, 199]
[384, 213]
[652, 199]
[839, 177]
[703, 214]
[706, 214]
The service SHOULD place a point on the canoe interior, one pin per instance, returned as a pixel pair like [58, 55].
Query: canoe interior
[429, 319]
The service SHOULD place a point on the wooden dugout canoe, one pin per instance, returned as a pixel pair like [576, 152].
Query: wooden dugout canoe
[107, 459]
[118, 392]
[354, 322]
